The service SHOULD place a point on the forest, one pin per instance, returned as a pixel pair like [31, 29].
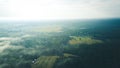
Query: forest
[60, 44]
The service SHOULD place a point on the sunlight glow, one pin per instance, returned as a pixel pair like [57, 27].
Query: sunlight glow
[35, 9]
[57, 9]
[49, 9]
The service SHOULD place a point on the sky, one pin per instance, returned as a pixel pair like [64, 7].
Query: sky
[59, 9]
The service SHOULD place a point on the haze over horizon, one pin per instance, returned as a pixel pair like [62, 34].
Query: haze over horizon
[58, 9]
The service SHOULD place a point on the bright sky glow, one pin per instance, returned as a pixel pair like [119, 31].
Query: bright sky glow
[58, 9]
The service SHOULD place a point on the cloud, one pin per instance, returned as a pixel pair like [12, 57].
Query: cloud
[8, 39]
[6, 45]
[5, 42]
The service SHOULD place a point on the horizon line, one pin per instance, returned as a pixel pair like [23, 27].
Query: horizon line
[53, 19]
